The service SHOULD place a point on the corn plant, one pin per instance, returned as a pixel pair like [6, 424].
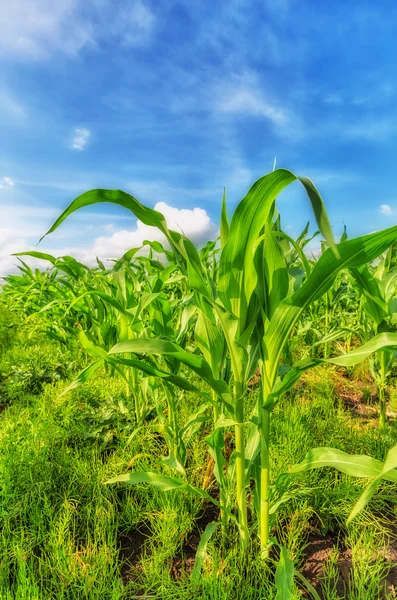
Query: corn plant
[379, 316]
[246, 313]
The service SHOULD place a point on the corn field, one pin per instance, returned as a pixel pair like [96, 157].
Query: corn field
[238, 326]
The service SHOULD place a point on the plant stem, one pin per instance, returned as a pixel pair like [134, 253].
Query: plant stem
[264, 529]
[240, 474]
[381, 390]
[173, 421]
[326, 323]
[219, 467]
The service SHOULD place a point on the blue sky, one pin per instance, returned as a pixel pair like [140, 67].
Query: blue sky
[173, 100]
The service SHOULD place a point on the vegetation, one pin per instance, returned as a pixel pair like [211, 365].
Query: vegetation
[210, 391]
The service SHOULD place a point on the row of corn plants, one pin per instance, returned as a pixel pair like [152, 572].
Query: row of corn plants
[173, 319]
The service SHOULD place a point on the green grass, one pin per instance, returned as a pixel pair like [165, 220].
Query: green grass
[61, 526]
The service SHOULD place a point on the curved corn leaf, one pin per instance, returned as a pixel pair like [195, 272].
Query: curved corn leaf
[194, 361]
[39, 255]
[148, 216]
[237, 275]
[388, 472]
[176, 380]
[355, 465]
[84, 375]
[67, 264]
[307, 585]
[210, 341]
[127, 256]
[162, 482]
[382, 341]
[201, 550]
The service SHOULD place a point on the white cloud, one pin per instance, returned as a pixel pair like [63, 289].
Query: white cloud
[250, 102]
[386, 209]
[37, 28]
[243, 93]
[34, 28]
[6, 182]
[9, 244]
[194, 223]
[81, 138]
[23, 232]
[133, 24]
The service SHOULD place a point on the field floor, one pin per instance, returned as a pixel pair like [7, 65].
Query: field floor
[66, 535]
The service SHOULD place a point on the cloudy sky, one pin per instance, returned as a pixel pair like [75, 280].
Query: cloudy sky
[173, 100]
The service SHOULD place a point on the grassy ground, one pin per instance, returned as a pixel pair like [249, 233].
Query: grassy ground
[66, 535]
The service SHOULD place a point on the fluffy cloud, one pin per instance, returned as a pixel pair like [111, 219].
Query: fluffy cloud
[247, 102]
[37, 28]
[6, 182]
[386, 209]
[194, 223]
[80, 139]
[242, 94]
[9, 244]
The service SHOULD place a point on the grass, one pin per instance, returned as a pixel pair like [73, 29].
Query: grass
[62, 528]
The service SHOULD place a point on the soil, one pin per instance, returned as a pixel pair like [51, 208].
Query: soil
[318, 553]
[132, 547]
[183, 562]
[359, 397]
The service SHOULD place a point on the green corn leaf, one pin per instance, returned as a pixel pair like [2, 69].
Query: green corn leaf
[146, 298]
[176, 380]
[388, 473]
[298, 249]
[67, 264]
[216, 444]
[126, 258]
[106, 297]
[284, 576]
[375, 304]
[382, 341]
[148, 216]
[84, 375]
[355, 465]
[173, 463]
[353, 253]
[201, 551]
[307, 585]
[91, 348]
[39, 255]
[276, 273]
[210, 341]
[195, 362]
[194, 422]
[237, 276]
[162, 482]
[224, 226]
